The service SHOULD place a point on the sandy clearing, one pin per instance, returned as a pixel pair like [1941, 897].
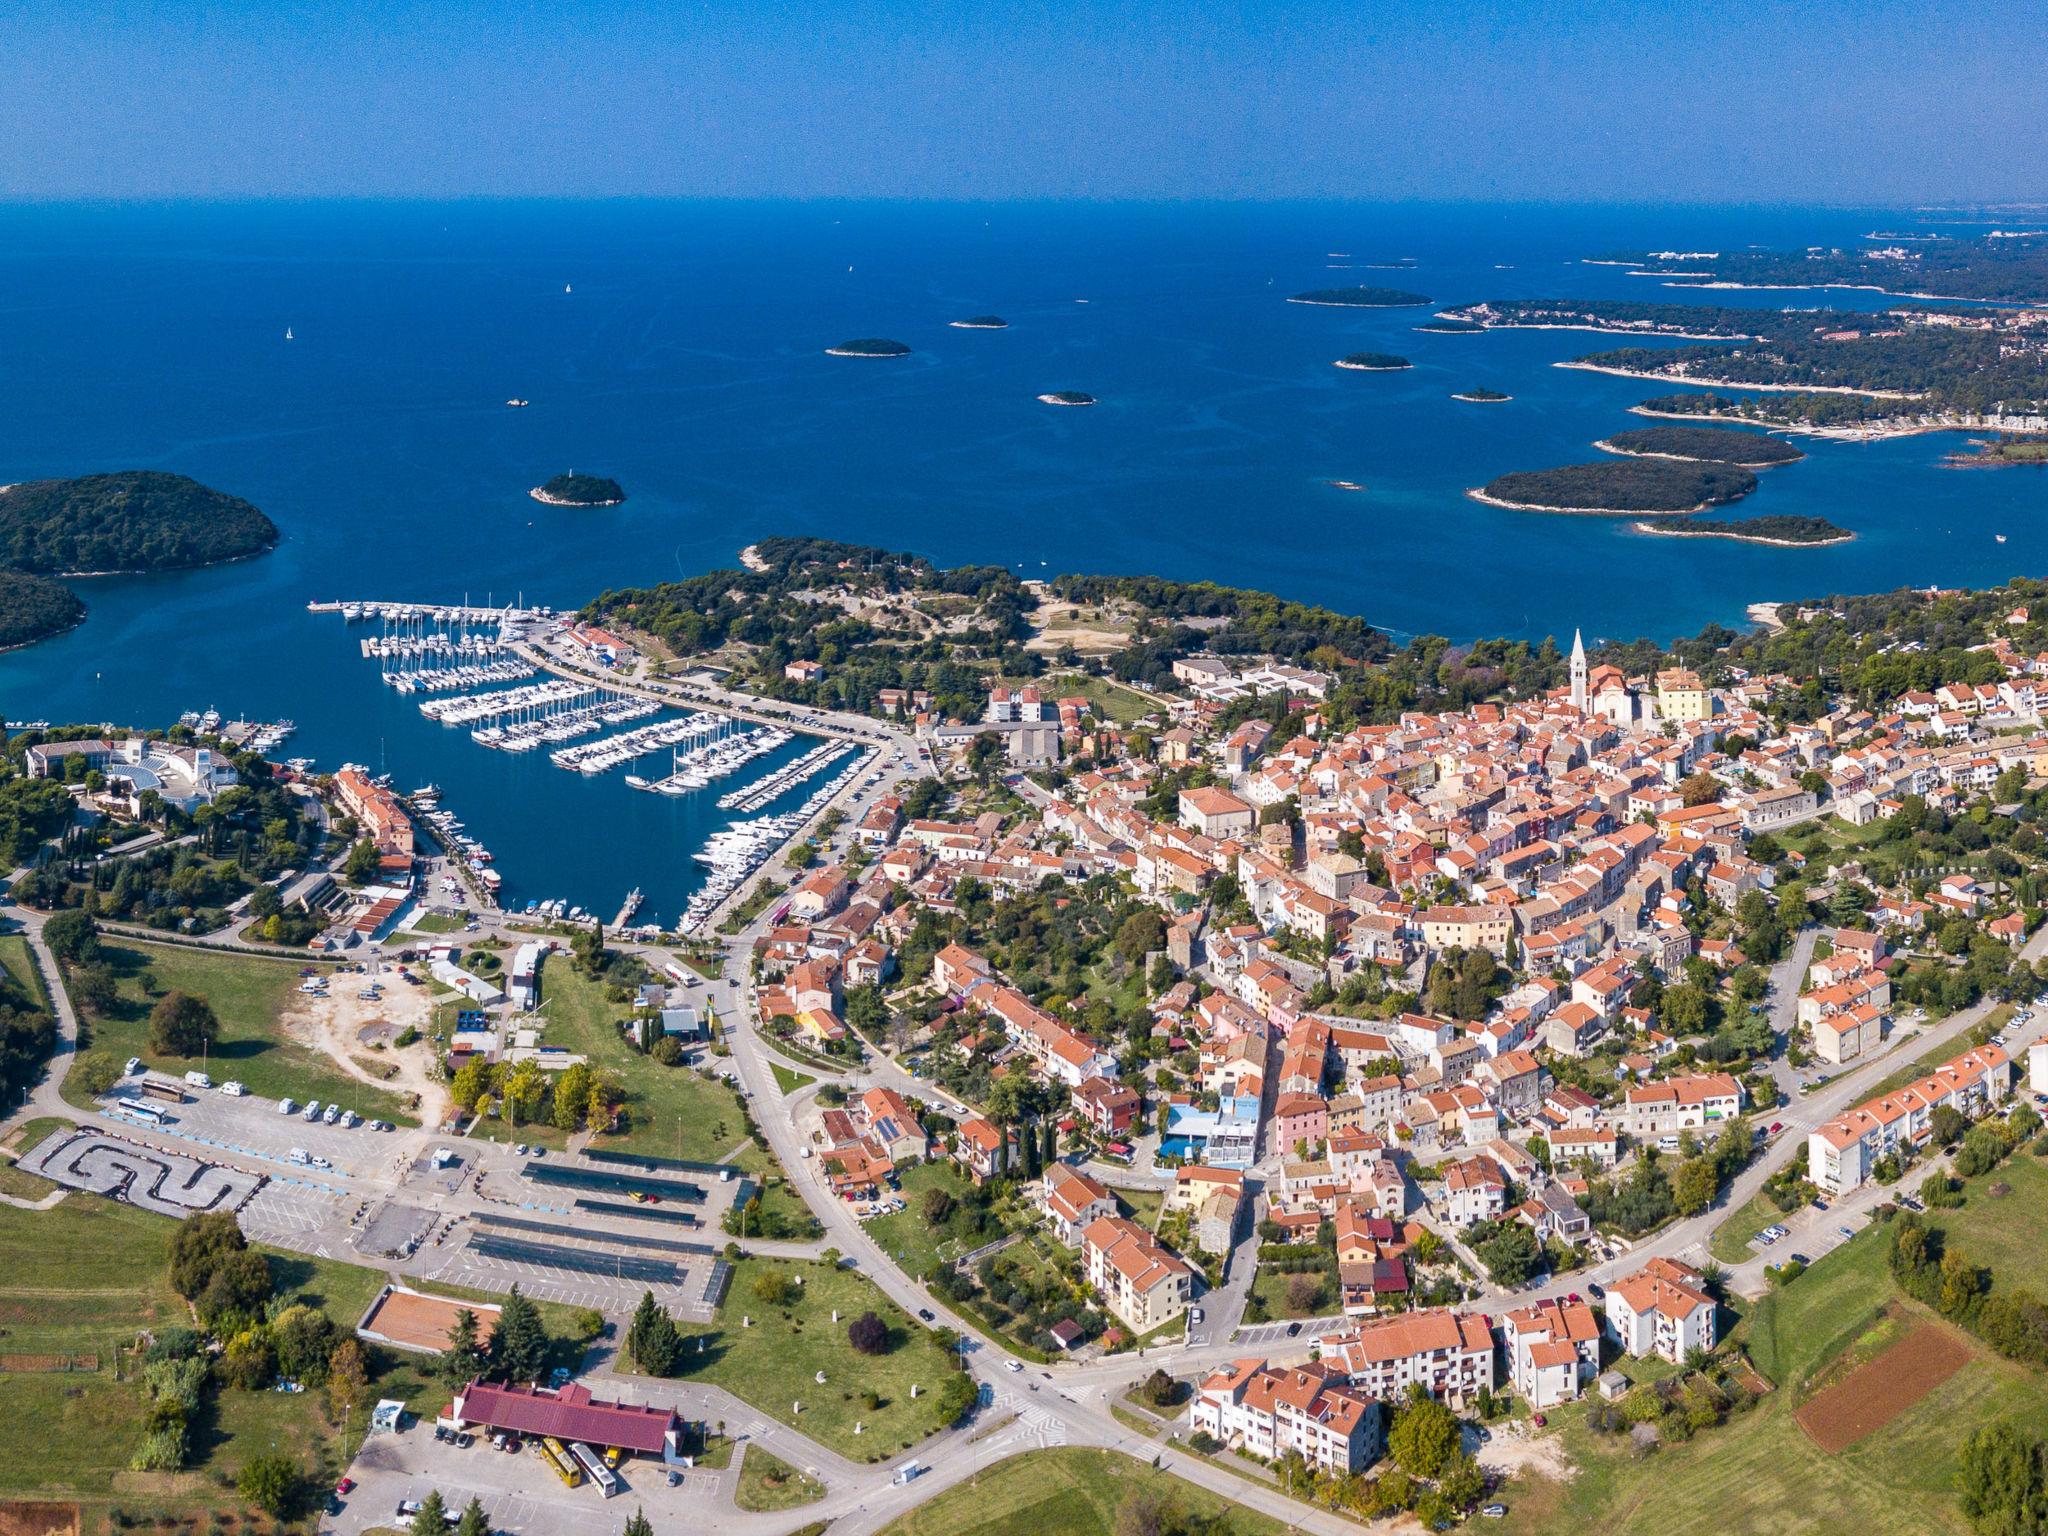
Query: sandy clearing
[1512, 1451]
[334, 1025]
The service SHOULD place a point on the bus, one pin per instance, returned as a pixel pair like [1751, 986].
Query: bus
[607, 1481]
[552, 1453]
[144, 1114]
[159, 1088]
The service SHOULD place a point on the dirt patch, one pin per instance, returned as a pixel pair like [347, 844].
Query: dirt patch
[1882, 1388]
[38, 1519]
[341, 1023]
[1512, 1451]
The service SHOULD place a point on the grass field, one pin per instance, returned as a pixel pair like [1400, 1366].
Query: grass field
[84, 1278]
[774, 1363]
[20, 963]
[670, 1111]
[1073, 1492]
[249, 994]
[782, 1208]
[1760, 1473]
[2005, 1233]
[1141, 1205]
[906, 1236]
[1730, 1242]
[788, 1079]
[768, 1484]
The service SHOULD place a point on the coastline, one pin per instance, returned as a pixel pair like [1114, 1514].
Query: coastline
[1765, 614]
[539, 494]
[165, 570]
[1704, 383]
[1739, 538]
[955, 325]
[1602, 330]
[1890, 293]
[51, 634]
[1528, 506]
[1340, 304]
[1073, 405]
[843, 352]
[750, 557]
[1606, 445]
[1884, 427]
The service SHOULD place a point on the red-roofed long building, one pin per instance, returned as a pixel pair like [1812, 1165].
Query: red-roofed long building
[1841, 1154]
[571, 1414]
[1449, 1354]
[1270, 1411]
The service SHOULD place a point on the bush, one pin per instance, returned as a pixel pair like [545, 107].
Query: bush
[868, 1334]
[271, 1483]
[97, 1072]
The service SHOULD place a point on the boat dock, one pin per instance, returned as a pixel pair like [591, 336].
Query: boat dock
[628, 907]
[787, 777]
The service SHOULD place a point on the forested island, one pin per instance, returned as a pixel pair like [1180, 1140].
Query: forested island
[868, 346]
[1704, 445]
[126, 523]
[981, 323]
[1481, 396]
[1612, 486]
[1774, 529]
[2009, 270]
[1374, 362]
[1361, 297]
[1067, 397]
[574, 490]
[34, 608]
[1443, 325]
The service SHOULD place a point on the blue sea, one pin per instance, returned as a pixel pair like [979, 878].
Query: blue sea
[679, 348]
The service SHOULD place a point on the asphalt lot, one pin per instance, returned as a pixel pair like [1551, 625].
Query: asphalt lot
[251, 1127]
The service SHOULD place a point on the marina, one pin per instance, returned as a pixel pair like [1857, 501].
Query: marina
[687, 734]
[254, 735]
[787, 777]
[736, 852]
[723, 754]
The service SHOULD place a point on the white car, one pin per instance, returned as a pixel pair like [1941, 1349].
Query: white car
[1013, 1366]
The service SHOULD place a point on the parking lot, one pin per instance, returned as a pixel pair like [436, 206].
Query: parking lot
[252, 1127]
[520, 1493]
[585, 1271]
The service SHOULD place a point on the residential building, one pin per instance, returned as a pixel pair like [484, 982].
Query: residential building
[1140, 1280]
[1269, 1411]
[1449, 1354]
[1663, 1309]
[1553, 1351]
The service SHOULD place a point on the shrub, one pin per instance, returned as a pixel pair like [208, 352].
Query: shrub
[868, 1334]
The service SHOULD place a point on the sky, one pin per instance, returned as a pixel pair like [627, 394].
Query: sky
[1768, 101]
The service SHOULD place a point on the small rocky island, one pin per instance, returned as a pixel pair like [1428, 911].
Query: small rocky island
[1361, 297]
[574, 490]
[1792, 532]
[1702, 445]
[980, 323]
[1066, 397]
[1612, 488]
[1373, 362]
[127, 523]
[868, 346]
[1481, 396]
[34, 608]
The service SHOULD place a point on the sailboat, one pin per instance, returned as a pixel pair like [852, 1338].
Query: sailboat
[566, 288]
[287, 333]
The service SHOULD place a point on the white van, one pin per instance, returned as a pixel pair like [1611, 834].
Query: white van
[297, 1156]
[198, 1080]
[287, 1106]
[233, 1089]
[907, 1472]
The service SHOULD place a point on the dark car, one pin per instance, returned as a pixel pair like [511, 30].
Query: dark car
[1293, 1329]
[925, 1313]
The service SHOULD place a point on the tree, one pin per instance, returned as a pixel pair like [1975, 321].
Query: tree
[1947, 1124]
[868, 1334]
[464, 1358]
[200, 1245]
[475, 1522]
[432, 1519]
[520, 1342]
[935, 1205]
[348, 1378]
[639, 1525]
[652, 1342]
[985, 756]
[470, 1082]
[1693, 1189]
[1510, 1256]
[772, 1288]
[93, 988]
[73, 937]
[1424, 1438]
[1700, 789]
[1461, 1482]
[361, 866]
[572, 1093]
[304, 1337]
[1140, 934]
[182, 1025]
[271, 1483]
[96, 1072]
[1998, 1476]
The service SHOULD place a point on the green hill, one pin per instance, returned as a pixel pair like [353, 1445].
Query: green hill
[574, 490]
[137, 520]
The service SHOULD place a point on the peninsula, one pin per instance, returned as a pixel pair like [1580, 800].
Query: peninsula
[980, 323]
[1444, 325]
[34, 608]
[1788, 532]
[1998, 451]
[126, 523]
[1373, 362]
[1361, 297]
[1701, 445]
[1067, 397]
[1613, 488]
[574, 490]
[868, 346]
[2004, 269]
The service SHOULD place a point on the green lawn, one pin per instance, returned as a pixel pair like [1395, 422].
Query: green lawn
[2004, 1233]
[788, 1079]
[1141, 1205]
[774, 1363]
[249, 995]
[20, 963]
[783, 1210]
[768, 1484]
[669, 1111]
[1759, 1473]
[1270, 1287]
[437, 922]
[1071, 1492]
[1730, 1242]
[905, 1235]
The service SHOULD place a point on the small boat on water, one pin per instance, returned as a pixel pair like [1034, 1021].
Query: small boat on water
[287, 333]
[518, 404]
